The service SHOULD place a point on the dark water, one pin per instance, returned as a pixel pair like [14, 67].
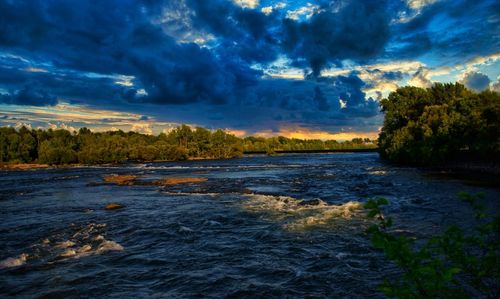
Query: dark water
[246, 232]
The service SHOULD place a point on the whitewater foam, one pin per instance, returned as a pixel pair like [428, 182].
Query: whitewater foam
[64, 244]
[192, 193]
[299, 214]
[378, 172]
[109, 246]
[88, 240]
[14, 261]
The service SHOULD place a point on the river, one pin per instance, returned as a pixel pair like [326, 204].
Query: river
[283, 226]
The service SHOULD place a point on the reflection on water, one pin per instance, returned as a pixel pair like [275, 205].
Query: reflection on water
[285, 226]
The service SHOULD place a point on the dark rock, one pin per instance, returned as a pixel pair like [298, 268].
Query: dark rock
[311, 202]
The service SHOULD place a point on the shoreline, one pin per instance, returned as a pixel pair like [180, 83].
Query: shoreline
[32, 166]
[353, 150]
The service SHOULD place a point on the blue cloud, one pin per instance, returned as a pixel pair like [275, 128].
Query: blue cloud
[212, 54]
[476, 81]
[29, 96]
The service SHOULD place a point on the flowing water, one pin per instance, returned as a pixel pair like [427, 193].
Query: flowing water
[284, 226]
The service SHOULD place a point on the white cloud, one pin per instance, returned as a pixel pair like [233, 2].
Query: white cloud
[19, 125]
[247, 3]
[306, 11]
[468, 66]
[495, 86]
[141, 92]
[67, 127]
[419, 4]
[269, 9]
[343, 104]
[144, 128]
[61, 126]
[405, 66]
[280, 5]
[125, 80]
[421, 78]
[416, 7]
[35, 70]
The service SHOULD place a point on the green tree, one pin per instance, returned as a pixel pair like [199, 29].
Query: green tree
[441, 123]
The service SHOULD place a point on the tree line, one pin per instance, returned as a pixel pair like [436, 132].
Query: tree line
[86, 147]
[446, 122]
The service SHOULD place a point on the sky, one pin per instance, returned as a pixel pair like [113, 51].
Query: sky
[305, 69]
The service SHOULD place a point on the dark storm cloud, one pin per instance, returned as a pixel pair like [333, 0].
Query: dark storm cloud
[29, 96]
[119, 38]
[77, 51]
[452, 30]
[476, 81]
[316, 98]
[320, 99]
[358, 31]
[69, 86]
[247, 35]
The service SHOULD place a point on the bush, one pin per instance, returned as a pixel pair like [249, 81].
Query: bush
[454, 264]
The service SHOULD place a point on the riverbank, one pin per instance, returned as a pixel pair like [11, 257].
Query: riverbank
[325, 151]
[32, 166]
[23, 166]
[472, 173]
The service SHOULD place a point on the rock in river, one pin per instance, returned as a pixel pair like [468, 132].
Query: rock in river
[120, 179]
[113, 206]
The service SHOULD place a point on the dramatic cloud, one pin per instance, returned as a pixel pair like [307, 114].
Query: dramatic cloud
[29, 96]
[450, 31]
[246, 65]
[357, 31]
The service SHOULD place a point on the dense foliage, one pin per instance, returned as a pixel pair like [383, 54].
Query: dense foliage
[84, 146]
[456, 264]
[441, 123]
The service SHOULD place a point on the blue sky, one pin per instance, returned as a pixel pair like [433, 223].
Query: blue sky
[313, 69]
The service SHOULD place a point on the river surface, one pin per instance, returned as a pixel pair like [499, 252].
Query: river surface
[283, 226]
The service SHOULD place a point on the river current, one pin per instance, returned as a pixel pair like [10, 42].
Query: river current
[283, 226]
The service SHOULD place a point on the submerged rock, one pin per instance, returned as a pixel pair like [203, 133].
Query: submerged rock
[311, 202]
[212, 223]
[120, 179]
[176, 181]
[184, 229]
[113, 206]
[132, 180]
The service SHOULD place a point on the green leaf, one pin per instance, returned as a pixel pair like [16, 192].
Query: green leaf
[382, 201]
